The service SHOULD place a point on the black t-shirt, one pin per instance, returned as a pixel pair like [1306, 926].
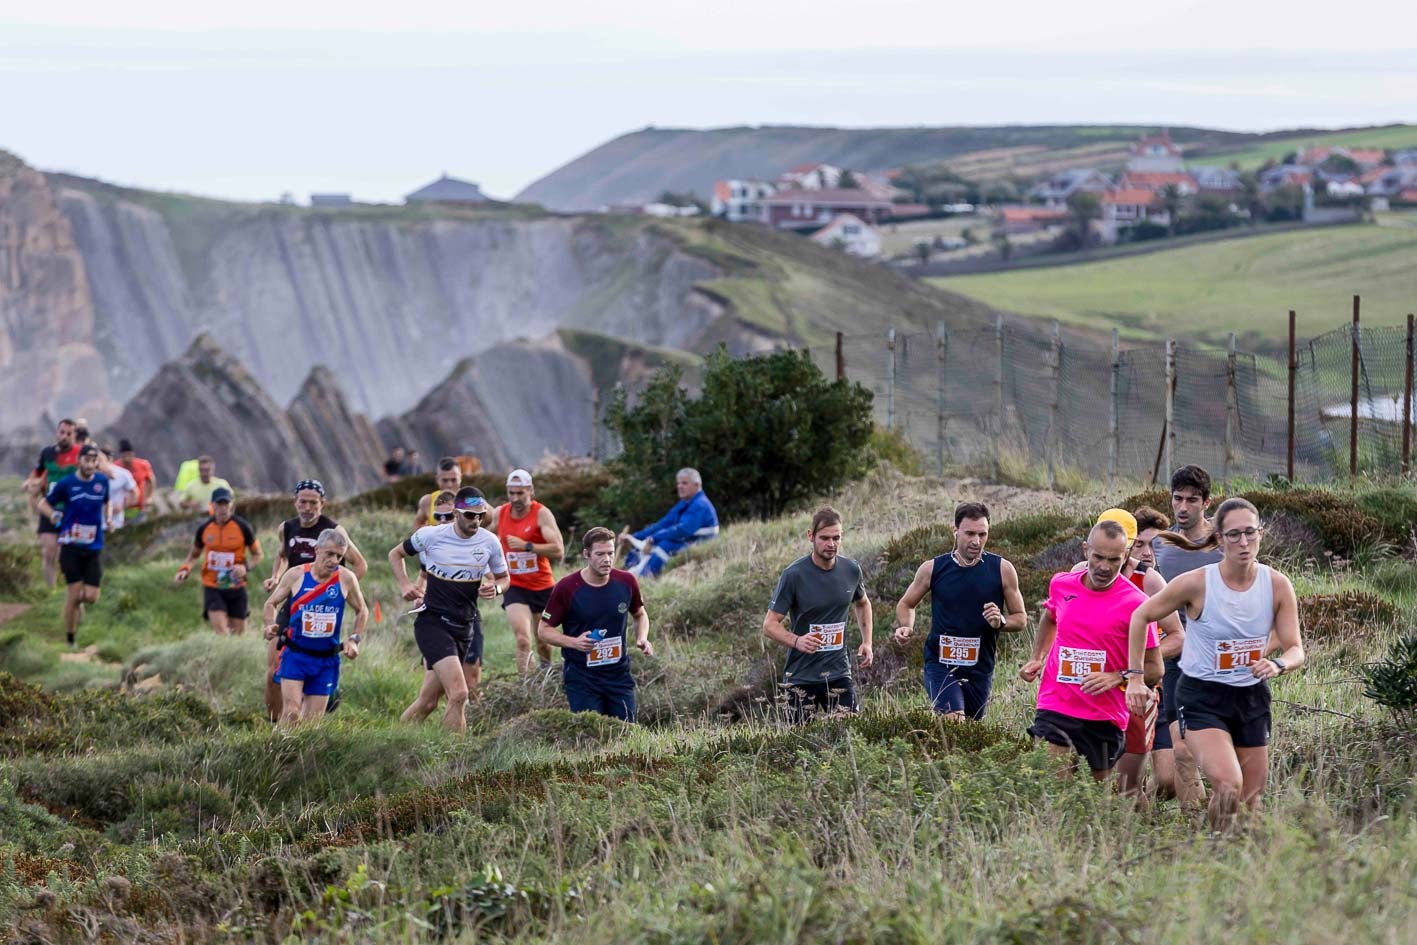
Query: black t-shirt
[298, 542]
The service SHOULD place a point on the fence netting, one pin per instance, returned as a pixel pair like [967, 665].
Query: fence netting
[1027, 392]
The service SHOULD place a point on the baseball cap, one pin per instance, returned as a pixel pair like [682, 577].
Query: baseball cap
[87, 449]
[470, 499]
[1122, 517]
[125, 446]
[518, 477]
[222, 494]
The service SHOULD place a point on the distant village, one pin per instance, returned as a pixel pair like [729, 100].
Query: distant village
[1156, 194]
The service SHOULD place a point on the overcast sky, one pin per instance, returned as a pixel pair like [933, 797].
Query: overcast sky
[257, 98]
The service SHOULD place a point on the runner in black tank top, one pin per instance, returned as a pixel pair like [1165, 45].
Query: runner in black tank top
[974, 596]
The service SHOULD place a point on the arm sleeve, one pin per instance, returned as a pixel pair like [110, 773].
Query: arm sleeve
[1051, 604]
[784, 597]
[557, 604]
[409, 548]
[663, 523]
[497, 561]
[637, 602]
[197, 539]
[417, 541]
[52, 496]
[39, 465]
[860, 590]
[248, 534]
[692, 518]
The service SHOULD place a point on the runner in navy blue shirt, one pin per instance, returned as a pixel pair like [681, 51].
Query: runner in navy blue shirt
[77, 506]
[593, 606]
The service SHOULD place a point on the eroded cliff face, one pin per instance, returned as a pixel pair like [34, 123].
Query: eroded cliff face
[49, 364]
[389, 303]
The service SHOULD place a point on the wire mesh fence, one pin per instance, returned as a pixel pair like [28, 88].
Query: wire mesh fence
[1025, 392]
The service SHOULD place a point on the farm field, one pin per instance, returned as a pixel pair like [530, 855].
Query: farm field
[1246, 286]
[182, 816]
[1395, 137]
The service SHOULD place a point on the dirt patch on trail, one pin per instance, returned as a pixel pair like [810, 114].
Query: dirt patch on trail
[11, 611]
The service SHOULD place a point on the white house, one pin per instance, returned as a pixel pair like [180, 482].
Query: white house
[849, 233]
[1156, 154]
[737, 200]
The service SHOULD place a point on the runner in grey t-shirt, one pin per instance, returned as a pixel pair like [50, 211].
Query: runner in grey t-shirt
[816, 592]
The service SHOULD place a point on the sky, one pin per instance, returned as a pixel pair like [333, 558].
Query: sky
[252, 100]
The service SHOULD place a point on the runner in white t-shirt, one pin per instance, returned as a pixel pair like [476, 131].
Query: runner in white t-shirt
[122, 488]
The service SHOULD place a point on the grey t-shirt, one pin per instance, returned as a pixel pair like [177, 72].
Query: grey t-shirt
[1173, 562]
[818, 601]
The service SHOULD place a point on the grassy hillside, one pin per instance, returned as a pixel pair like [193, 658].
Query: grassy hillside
[181, 815]
[1247, 286]
[1276, 147]
[641, 165]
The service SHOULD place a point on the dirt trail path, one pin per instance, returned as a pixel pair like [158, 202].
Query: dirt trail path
[11, 611]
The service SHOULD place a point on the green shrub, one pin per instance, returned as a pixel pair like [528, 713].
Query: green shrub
[19, 571]
[892, 446]
[767, 434]
[1392, 682]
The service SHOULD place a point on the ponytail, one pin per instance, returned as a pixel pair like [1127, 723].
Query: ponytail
[1212, 540]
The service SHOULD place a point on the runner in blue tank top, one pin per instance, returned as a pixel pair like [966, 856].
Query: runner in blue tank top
[974, 596]
[318, 594]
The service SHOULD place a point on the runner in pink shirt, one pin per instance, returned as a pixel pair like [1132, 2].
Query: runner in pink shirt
[1082, 706]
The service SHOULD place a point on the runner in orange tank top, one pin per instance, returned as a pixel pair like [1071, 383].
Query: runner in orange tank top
[530, 539]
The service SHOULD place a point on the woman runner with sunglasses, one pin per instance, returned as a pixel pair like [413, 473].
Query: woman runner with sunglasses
[1222, 699]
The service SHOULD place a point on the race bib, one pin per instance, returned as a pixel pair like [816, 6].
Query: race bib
[959, 651]
[606, 651]
[1233, 656]
[80, 535]
[317, 624]
[1074, 663]
[832, 635]
[521, 562]
[221, 560]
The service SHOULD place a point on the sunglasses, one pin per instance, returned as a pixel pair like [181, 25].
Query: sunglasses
[443, 516]
[466, 514]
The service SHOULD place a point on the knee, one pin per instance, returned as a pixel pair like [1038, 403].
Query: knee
[457, 697]
[91, 595]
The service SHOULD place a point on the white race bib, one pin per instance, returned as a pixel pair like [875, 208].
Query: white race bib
[832, 635]
[314, 624]
[221, 560]
[521, 562]
[1237, 656]
[606, 651]
[80, 535]
[1074, 663]
[959, 651]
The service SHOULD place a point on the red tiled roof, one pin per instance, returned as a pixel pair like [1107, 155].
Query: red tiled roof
[804, 168]
[1367, 177]
[1128, 196]
[1408, 196]
[721, 190]
[1032, 214]
[1155, 180]
[1366, 155]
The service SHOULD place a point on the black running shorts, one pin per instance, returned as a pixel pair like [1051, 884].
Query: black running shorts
[1243, 711]
[229, 600]
[80, 565]
[1099, 742]
[439, 637]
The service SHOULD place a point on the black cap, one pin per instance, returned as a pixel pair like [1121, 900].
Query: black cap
[88, 449]
[125, 446]
[222, 494]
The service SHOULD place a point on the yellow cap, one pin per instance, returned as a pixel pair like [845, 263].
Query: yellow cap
[1122, 517]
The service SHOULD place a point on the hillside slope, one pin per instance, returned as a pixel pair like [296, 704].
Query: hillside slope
[638, 166]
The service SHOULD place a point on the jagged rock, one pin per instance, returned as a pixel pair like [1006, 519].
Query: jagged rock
[207, 402]
[49, 365]
[342, 444]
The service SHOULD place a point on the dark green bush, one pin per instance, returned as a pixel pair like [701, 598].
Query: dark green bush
[19, 570]
[767, 434]
[1392, 682]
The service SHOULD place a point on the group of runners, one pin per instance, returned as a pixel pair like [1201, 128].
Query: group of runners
[1158, 644]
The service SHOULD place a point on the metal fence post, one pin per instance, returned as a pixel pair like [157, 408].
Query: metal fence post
[890, 379]
[1114, 415]
[1293, 373]
[1231, 408]
[1407, 405]
[1170, 429]
[1055, 363]
[942, 344]
[840, 357]
[1353, 402]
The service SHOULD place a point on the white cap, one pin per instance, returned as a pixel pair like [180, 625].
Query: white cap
[518, 477]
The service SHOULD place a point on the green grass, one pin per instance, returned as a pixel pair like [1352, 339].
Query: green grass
[1247, 286]
[1395, 137]
[183, 815]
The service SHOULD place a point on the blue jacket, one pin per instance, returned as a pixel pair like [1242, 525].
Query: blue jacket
[691, 520]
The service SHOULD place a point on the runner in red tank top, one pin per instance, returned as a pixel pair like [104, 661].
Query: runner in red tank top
[530, 539]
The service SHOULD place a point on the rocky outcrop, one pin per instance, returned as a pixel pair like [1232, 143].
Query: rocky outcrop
[49, 365]
[208, 402]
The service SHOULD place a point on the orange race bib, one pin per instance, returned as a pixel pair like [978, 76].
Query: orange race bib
[606, 651]
[832, 635]
[1074, 663]
[317, 624]
[959, 651]
[1233, 656]
[521, 562]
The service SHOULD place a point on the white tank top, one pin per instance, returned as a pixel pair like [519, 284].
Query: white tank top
[1230, 634]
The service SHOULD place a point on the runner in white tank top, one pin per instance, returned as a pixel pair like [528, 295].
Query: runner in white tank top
[1233, 608]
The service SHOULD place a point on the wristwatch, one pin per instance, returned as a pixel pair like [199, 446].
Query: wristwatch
[1279, 662]
[355, 638]
[530, 546]
[1124, 673]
